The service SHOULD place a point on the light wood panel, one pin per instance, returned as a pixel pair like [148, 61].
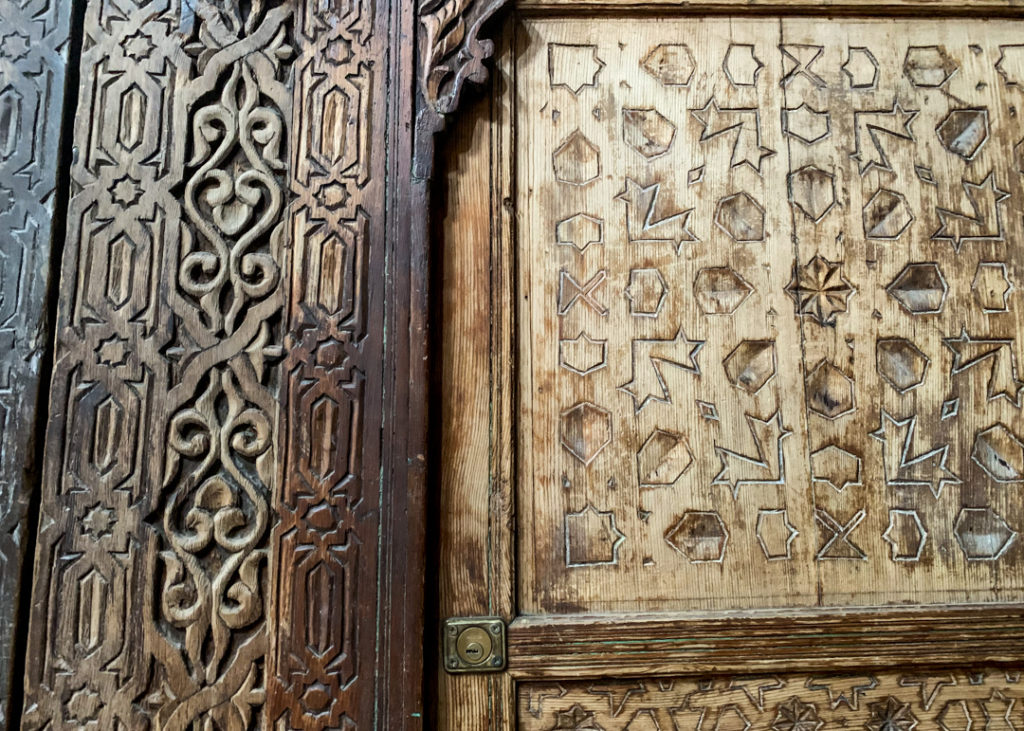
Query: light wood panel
[769, 313]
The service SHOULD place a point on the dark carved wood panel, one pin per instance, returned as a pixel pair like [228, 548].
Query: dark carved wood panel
[150, 586]
[232, 526]
[33, 50]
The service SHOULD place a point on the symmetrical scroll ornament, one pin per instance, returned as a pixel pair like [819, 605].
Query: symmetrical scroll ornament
[33, 50]
[452, 51]
[151, 582]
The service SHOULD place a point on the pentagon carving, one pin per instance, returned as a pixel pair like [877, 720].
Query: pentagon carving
[580, 231]
[775, 534]
[886, 215]
[905, 535]
[834, 466]
[1000, 453]
[829, 391]
[741, 66]
[581, 355]
[700, 535]
[751, 365]
[964, 131]
[813, 191]
[806, 124]
[928, 66]
[577, 161]
[861, 69]
[901, 363]
[592, 538]
[663, 459]
[742, 217]
[647, 131]
[670, 63]
[573, 66]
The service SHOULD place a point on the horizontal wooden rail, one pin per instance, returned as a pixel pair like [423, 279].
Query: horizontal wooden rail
[663, 644]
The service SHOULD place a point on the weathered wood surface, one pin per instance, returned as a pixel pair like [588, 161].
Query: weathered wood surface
[883, 701]
[770, 316]
[33, 55]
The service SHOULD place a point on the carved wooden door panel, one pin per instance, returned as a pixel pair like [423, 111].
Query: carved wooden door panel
[732, 430]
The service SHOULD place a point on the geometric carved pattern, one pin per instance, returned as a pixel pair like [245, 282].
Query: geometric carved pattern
[162, 448]
[833, 333]
[323, 545]
[883, 701]
[33, 50]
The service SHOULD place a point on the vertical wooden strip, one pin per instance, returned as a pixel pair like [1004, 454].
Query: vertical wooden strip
[326, 541]
[33, 55]
[150, 587]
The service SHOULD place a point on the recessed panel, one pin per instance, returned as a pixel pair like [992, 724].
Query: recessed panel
[769, 312]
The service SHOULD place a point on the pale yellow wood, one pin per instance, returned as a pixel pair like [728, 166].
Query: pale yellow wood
[737, 313]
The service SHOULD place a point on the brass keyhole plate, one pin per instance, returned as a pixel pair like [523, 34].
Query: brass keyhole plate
[473, 644]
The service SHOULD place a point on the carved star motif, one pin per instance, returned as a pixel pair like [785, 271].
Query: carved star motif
[126, 191]
[98, 522]
[15, 46]
[576, 719]
[795, 715]
[820, 290]
[137, 46]
[892, 715]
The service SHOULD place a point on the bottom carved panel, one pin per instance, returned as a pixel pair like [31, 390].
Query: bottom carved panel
[952, 701]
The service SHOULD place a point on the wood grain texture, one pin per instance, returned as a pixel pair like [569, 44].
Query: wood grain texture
[770, 326]
[33, 56]
[892, 700]
[744, 642]
[476, 397]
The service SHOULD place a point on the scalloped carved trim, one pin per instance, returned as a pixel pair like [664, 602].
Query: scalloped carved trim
[452, 51]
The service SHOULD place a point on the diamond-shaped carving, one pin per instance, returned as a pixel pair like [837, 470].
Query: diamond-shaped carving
[740, 216]
[886, 215]
[670, 63]
[920, 289]
[813, 191]
[751, 364]
[577, 161]
[663, 459]
[829, 391]
[901, 363]
[720, 290]
[964, 131]
[700, 535]
[586, 430]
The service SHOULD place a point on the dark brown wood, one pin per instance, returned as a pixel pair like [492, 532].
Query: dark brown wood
[763, 642]
[33, 55]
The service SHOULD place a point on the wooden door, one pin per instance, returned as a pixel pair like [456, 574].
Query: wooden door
[731, 430]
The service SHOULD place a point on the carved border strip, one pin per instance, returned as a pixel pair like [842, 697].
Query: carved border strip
[33, 55]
